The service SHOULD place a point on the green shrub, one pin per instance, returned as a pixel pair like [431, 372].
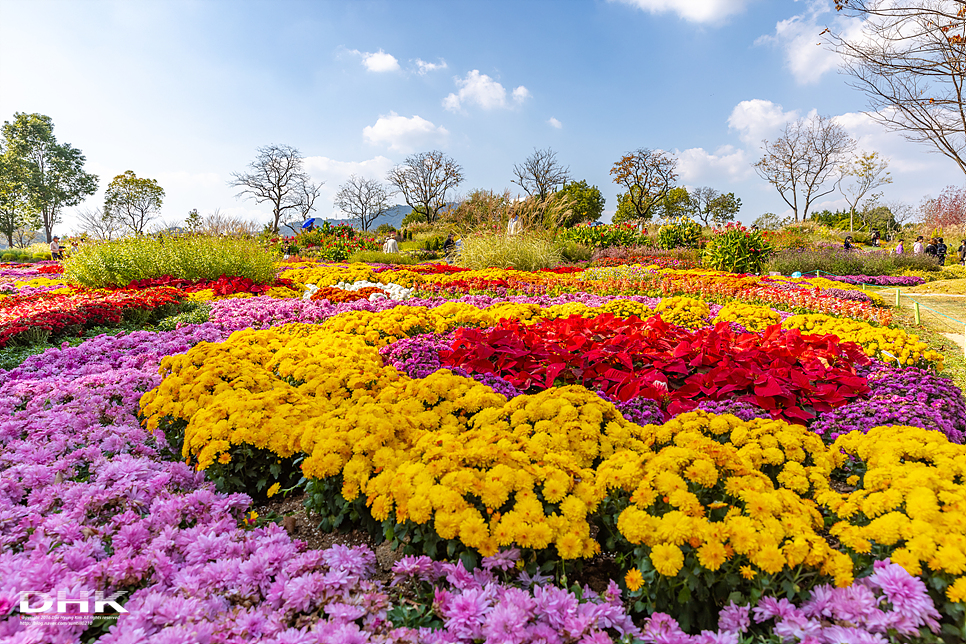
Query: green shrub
[10, 256]
[682, 232]
[379, 257]
[192, 257]
[525, 252]
[191, 313]
[574, 252]
[606, 236]
[736, 250]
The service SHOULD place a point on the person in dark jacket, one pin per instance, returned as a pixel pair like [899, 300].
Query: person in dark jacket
[962, 253]
[848, 243]
[941, 251]
[931, 248]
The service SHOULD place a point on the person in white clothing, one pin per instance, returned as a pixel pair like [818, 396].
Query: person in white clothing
[917, 248]
[514, 227]
[391, 245]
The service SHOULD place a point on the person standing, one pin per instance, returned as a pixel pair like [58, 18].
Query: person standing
[917, 248]
[941, 251]
[899, 249]
[55, 251]
[931, 248]
[514, 227]
[391, 246]
[962, 253]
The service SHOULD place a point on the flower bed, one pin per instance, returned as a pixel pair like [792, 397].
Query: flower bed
[559, 447]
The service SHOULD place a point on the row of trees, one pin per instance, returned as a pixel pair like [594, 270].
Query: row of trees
[39, 177]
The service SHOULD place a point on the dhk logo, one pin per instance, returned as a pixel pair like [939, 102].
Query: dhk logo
[83, 602]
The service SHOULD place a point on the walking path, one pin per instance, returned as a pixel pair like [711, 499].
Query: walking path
[937, 313]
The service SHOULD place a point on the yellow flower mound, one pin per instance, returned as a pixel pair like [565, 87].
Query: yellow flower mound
[626, 309]
[282, 292]
[902, 347]
[409, 279]
[683, 311]
[385, 327]
[424, 449]
[696, 498]
[912, 500]
[753, 318]
[38, 282]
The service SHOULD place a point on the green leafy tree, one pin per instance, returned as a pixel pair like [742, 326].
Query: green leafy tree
[193, 221]
[133, 201]
[676, 203]
[713, 208]
[52, 173]
[770, 221]
[588, 202]
[648, 175]
[626, 212]
[16, 211]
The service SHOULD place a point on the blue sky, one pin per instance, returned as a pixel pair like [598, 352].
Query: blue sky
[184, 92]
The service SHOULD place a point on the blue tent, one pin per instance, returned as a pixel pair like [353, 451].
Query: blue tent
[309, 223]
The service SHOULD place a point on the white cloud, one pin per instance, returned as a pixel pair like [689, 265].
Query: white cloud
[521, 94]
[691, 10]
[807, 56]
[699, 167]
[758, 119]
[554, 123]
[422, 67]
[483, 91]
[404, 134]
[380, 61]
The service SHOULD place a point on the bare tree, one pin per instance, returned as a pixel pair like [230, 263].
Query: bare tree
[363, 200]
[541, 174]
[423, 180]
[277, 176]
[648, 176]
[98, 225]
[801, 162]
[910, 61]
[867, 172]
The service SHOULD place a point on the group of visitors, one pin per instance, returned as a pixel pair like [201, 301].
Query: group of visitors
[935, 247]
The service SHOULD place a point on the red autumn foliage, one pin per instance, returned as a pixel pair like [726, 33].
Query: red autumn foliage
[792, 376]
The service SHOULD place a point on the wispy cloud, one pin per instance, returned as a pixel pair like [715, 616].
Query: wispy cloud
[423, 68]
[704, 11]
[554, 123]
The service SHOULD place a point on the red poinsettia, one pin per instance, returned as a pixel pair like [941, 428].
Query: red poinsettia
[790, 375]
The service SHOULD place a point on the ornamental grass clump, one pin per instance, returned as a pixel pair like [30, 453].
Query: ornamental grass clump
[838, 261]
[524, 252]
[190, 257]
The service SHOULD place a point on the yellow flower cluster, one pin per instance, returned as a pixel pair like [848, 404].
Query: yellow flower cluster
[409, 279]
[684, 311]
[753, 318]
[39, 282]
[911, 500]
[703, 493]
[282, 292]
[888, 345]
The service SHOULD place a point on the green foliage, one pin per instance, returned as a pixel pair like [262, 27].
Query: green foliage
[51, 173]
[385, 229]
[573, 252]
[525, 252]
[676, 204]
[682, 232]
[736, 250]
[414, 216]
[587, 203]
[192, 257]
[838, 219]
[191, 313]
[617, 234]
[323, 498]
[625, 209]
[379, 257]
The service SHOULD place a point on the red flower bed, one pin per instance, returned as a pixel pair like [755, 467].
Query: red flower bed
[435, 269]
[562, 270]
[224, 285]
[52, 268]
[791, 376]
[56, 313]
